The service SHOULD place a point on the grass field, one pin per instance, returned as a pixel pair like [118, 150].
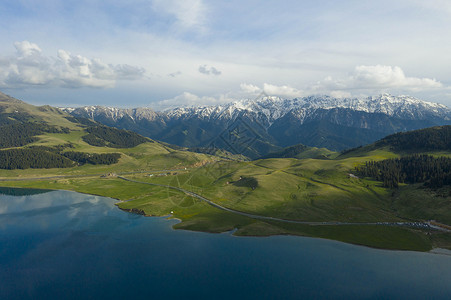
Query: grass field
[308, 190]
[300, 188]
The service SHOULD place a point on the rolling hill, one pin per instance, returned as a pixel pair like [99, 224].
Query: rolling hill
[300, 190]
[35, 138]
[301, 152]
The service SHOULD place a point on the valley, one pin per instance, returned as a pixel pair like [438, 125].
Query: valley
[300, 190]
[269, 124]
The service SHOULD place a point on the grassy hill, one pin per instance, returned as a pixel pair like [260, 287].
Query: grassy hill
[300, 183]
[428, 140]
[41, 130]
[313, 189]
[301, 151]
[13, 110]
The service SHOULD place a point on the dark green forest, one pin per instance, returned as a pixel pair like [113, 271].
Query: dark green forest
[20, 134]
[15, 134]
[82, 121]
[428, 139]
[43, 157]
[12, 118]
[102, 136]
[32, 158]
[92, 158]
[434, 172]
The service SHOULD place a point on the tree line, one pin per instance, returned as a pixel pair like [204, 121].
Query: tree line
[103, 136]
[428, 139]
[82, 121]
[92, 158]
[434, 172]
[13, 117]
[43, 157]
[32, 158]
[20, 134]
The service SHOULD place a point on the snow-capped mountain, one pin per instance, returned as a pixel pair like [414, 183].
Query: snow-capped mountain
[114, 113]
[273, 108]
[315, 121]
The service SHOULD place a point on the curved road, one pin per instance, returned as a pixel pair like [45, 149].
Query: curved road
[259, 217]
[424, 225]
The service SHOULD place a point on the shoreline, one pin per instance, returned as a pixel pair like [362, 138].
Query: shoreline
[440, 251]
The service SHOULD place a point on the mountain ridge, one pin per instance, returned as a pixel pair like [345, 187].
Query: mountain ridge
[275, 107]
[316, 121]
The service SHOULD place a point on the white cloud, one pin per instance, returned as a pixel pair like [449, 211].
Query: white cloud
[26, 48]
[281, 91]
[376, 78]
[340, 94]
[187, 99]
[30, 67]
[284, 91]
[250, 88]
[387, 76]
[204, 69]
[364, 81]
[247, 91]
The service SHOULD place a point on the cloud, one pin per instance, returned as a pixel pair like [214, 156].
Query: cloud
[29, 67]
[189, 14]
[250, 89]
[204, 69]
[340, 94]
[365, 80]
[127, 72]
[187, 99]
[378, 77]
[26, 48]
[247, 91]
[175, 74]
[281, 91]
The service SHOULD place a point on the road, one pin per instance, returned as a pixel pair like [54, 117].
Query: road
[422, 225]
[86, 175]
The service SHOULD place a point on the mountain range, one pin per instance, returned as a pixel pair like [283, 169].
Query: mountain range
[257, 127]
[400, 180]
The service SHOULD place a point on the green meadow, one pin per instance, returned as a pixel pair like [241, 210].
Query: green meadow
[314, 190]
[316, 185]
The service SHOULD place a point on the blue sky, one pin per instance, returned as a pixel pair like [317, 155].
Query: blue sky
[165, 53]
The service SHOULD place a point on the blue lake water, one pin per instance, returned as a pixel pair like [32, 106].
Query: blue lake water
[65, 245]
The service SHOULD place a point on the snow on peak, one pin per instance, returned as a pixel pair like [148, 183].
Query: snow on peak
[274, 107]
[268, 109]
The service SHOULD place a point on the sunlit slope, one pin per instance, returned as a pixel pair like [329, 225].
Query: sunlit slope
[301, 151]
[149, 155]
[301, 188]
[311, 190]
[429, 140]
[16, 110]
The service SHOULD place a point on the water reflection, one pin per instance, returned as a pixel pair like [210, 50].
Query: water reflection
[21, 191]
[64, 245]
[59, 211]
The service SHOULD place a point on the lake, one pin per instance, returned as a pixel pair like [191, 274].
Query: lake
[66, 245]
